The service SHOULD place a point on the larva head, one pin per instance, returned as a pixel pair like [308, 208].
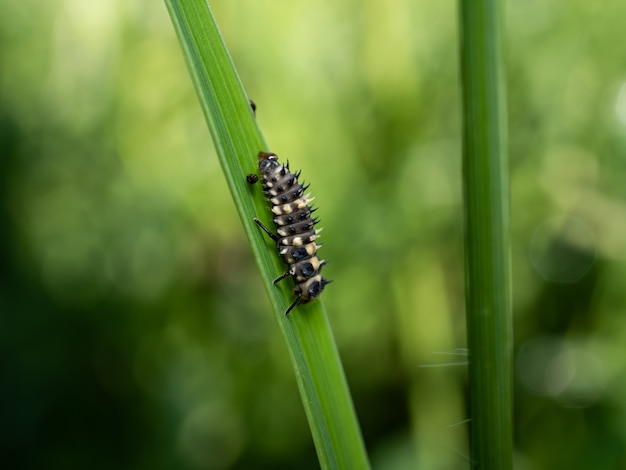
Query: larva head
[268, 162]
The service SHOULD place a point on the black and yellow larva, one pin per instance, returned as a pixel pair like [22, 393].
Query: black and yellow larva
[295, 229]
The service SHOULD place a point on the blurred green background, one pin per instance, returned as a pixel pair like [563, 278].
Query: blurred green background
[135, 330]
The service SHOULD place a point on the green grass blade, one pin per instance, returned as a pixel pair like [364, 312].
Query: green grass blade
[486, 192]
[309, 339]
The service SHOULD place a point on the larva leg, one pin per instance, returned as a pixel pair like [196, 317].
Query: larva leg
[271, 234]
[281, 277]
[293, 304]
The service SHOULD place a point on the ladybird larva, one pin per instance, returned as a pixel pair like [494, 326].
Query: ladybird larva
[295, 235]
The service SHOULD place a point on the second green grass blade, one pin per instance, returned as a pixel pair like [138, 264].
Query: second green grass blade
[313, 352]
[485, 176]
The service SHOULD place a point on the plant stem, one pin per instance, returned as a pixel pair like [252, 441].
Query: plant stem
[486, 193]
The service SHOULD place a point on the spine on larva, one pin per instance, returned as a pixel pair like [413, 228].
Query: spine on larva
[295, 228]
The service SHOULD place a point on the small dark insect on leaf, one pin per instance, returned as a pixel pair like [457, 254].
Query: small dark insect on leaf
[252, 178]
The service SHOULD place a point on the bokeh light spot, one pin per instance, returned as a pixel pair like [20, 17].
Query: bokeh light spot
[563, 249]
[210, 437]
[551, 366]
